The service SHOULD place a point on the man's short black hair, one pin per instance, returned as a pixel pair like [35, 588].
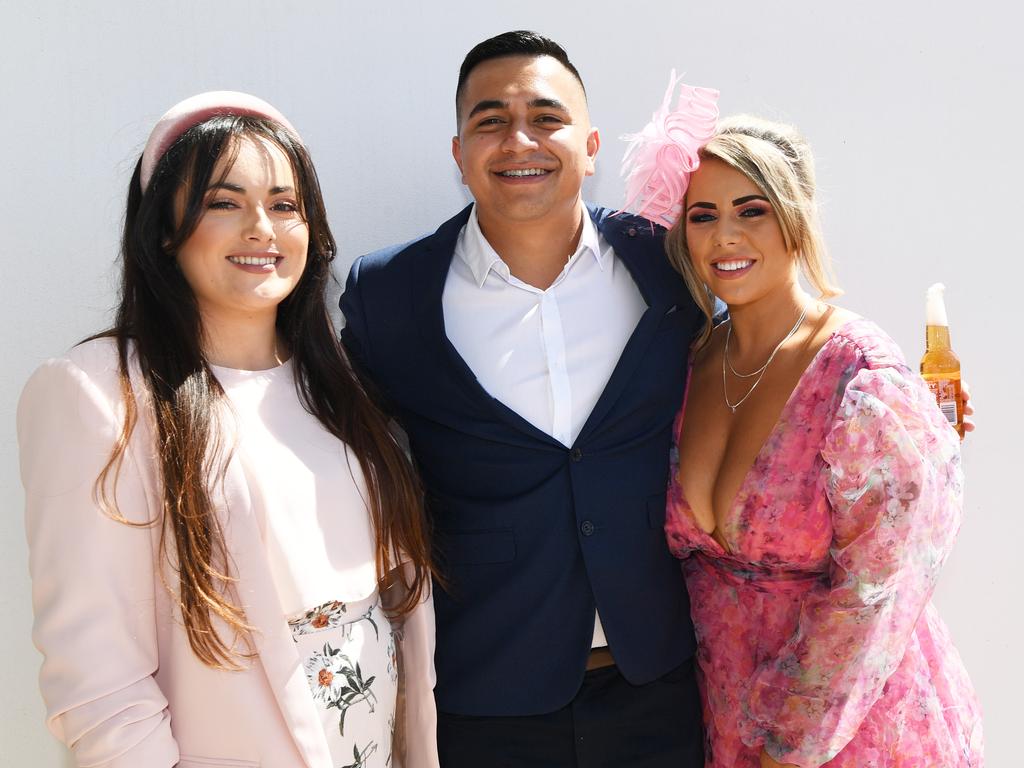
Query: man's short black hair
[518, 43]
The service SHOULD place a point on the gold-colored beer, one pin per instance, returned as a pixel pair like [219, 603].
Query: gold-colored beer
[940, 366]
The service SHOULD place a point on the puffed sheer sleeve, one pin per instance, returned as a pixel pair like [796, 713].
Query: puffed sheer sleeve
[893, 479]
[92, 577]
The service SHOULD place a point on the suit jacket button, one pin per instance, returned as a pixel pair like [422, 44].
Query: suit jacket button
[631, 231]
[587, 528]
[576, 454]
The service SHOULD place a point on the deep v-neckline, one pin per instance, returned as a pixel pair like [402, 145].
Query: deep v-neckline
[677, 482]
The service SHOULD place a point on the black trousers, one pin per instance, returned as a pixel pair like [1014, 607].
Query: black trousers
[609, 723]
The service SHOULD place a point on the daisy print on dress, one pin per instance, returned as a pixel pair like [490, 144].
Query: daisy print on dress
[328, 616]
[332, 614]
[338, 682]
[351, 665]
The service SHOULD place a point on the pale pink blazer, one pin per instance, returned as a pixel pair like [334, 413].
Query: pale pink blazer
[121, 684]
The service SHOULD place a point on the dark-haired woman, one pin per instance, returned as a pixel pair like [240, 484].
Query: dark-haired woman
[228, 552]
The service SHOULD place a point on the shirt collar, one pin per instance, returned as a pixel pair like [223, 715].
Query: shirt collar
[481, 258]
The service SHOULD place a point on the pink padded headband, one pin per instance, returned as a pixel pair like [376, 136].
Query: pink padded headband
[195, 110]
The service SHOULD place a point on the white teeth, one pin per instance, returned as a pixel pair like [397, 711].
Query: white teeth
[259, 261]
[524, 172]
[732, 266]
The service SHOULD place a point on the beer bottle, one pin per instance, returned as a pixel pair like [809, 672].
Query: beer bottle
[940, 367]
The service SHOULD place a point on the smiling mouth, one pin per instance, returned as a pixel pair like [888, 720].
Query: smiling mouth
[732, 265]
[254, 261]
[517, 173]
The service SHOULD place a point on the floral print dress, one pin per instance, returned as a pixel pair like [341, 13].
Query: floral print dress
[308, 493]
[816, 637]
[350, 657]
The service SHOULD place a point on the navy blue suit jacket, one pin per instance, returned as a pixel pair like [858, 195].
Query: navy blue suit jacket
[531, 535]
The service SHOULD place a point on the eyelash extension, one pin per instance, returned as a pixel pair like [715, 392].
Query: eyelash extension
[758, 210]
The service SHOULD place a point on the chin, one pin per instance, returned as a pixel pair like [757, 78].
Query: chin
[739, 292]
[730, 295]
[524, 211]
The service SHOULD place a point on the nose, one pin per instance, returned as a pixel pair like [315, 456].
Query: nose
[519, 138]
[259, 227]
[726, 232]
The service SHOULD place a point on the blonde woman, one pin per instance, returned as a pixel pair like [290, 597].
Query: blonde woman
[815, 492]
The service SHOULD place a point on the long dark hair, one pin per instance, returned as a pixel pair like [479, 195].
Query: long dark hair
[158, 322]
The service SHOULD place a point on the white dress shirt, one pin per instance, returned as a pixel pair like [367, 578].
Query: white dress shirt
[546, 354]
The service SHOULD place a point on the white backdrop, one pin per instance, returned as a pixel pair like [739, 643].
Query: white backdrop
[913, 109]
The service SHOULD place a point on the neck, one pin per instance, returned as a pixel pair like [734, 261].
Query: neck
[758, 327]
[536, 251]
[248, 343]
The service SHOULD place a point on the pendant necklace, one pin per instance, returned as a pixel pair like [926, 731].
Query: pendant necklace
[760, 371]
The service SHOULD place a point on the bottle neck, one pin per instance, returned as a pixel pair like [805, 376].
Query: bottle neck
[936, 337]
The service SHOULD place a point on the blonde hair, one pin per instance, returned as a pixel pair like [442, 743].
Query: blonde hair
[778, 160]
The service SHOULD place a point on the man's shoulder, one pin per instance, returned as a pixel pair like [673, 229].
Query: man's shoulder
[641, 244]
[389, 255]
[632, 237]
[399, 256]
[613, 222]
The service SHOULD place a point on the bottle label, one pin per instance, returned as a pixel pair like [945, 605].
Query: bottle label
[945, 395]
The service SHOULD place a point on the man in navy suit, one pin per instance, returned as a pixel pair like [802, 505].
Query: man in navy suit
[534, 349]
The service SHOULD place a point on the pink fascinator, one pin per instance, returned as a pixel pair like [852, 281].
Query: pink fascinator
[195, 110]
[660, 159]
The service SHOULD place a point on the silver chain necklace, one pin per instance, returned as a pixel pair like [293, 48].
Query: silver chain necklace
[760, 371]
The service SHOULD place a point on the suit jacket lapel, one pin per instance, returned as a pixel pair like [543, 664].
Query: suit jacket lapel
[626, 238]
[431, 270]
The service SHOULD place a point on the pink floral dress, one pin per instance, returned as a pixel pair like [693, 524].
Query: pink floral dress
[817, 640]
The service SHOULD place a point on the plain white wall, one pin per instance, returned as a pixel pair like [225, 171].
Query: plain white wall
[913, 110]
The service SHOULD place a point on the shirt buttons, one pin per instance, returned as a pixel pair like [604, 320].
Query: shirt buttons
[587, 528]
[576, 454]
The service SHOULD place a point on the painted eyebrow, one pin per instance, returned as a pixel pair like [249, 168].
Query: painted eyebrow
[487, 104]
[737, 201]
[241, 190]
[702, 204]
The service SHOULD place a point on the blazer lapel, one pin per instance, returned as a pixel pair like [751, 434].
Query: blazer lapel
[431, 271]
[272, 640]
[628, 239]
